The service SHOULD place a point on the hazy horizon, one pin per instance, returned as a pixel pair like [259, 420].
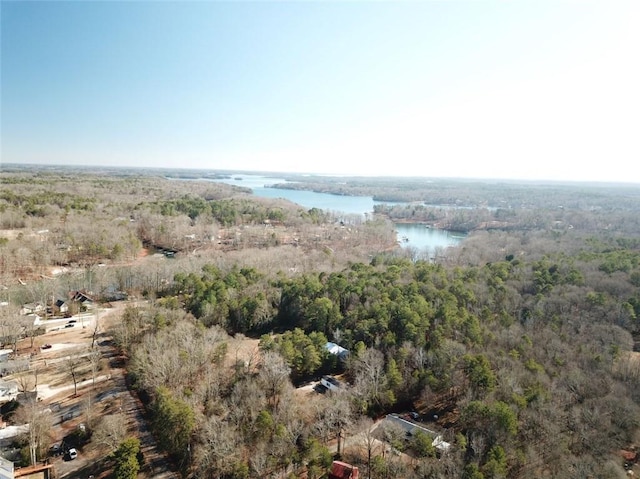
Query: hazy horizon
[477, 90]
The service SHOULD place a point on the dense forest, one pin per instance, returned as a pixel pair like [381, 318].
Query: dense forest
[517, 346]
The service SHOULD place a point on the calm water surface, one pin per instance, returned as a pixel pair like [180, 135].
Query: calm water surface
[357, 205]
[413, 235]
[409, 234]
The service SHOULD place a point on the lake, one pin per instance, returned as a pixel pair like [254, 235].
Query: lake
[357, 205]
[418, 236]
[411, 235]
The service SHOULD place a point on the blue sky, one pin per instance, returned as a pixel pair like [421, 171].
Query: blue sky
[536, 90]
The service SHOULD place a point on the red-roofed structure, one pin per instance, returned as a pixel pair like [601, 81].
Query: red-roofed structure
[629, 456]
[342, 470]
[39, 471]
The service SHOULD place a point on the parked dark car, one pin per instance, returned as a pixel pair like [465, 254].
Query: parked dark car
[45, 346]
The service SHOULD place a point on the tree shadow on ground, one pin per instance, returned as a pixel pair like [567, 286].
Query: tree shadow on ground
[99, 469]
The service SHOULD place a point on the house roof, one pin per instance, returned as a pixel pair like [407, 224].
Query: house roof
[342, 470]
[333, 348]
[45, 469]
[6, 468]
[332, 380]
[438, 442]
[80, 296]
[32, 306]
[627, 455]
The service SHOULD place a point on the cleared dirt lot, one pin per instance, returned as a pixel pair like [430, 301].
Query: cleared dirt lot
[101, 390]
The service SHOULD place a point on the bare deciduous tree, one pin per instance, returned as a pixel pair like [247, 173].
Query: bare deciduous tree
[111, 431]
[274, 375]
[26, 381]
[333, 416]
[365, 429]
[96, 329]
[40, 421]
[218, 449]
[368, 370]
[72, 365]
[12, 325]
[95, 358]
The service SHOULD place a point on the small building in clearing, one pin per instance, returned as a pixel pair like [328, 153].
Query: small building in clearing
[59, 306]
[331, 383]
[31, 308]
[337, 350]
[438, 442]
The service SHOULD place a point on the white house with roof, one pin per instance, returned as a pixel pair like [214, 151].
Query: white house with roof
[31, 308]
[337, 350]
[331, 383]
[59, 306]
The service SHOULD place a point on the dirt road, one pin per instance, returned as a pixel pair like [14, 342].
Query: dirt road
[105, 393]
